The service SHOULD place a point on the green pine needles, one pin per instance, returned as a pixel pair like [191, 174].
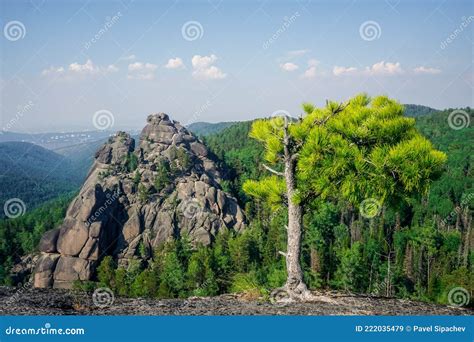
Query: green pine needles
[365, 148]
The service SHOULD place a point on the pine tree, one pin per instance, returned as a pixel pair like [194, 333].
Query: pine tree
[363, 149]
[106, 272]
[162, 177]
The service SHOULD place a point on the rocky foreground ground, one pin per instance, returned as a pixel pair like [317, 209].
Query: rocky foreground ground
[27, 301]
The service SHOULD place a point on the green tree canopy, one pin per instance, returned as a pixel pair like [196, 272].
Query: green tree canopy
[364, 149]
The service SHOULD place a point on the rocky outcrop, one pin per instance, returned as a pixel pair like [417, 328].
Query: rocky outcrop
[135, 199]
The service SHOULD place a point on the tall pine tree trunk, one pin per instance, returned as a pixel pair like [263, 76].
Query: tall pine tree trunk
[295, 285]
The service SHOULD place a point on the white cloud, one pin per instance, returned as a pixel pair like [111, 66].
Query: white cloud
[380, 69]
[86, 68]
[426, 70]
[128, 58]
[139, 66]
[203, 61]
[288, 66]
[112, 68]
[292, 55]
[203, 68]
[310, 72]
[339, 70]
[297, 53]
[141, 71]
[79, 70]
[313, 62]
[211, 73]
[385, 68]
[52, 71]
[174, 63]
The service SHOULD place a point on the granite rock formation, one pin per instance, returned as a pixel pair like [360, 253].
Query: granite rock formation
[136, 198]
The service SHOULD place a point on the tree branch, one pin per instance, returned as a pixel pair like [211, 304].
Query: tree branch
[310, 195]
[273, 171]
[295, 156]
[334, 112]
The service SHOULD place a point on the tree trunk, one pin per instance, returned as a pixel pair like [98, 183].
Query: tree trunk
[295, 285]
[466, 240]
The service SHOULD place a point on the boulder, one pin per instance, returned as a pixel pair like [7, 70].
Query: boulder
[72, 239]
[48, 241]
[199, 149]
[70, 269]
[43, 274]
[116, 150]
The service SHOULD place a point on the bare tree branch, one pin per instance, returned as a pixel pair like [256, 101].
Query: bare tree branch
[273, 171]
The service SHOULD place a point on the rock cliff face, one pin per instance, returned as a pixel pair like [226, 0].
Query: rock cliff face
[134, 199]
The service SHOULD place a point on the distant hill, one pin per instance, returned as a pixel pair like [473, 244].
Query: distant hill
[56, 140]
[413, 110]
[81, 156]
[34, 174]
[206, 128]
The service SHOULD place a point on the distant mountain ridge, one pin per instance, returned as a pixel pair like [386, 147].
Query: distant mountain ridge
[55, 140]
[414, 110]
[206, 128]
[34, 174]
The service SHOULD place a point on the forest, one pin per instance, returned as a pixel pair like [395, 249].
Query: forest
[419, 249]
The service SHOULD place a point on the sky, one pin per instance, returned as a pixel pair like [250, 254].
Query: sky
[85, 65]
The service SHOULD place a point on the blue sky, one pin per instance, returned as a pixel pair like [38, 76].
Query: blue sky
[238, 60]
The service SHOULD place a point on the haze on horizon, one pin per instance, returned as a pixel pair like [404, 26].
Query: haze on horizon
[65, 65]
